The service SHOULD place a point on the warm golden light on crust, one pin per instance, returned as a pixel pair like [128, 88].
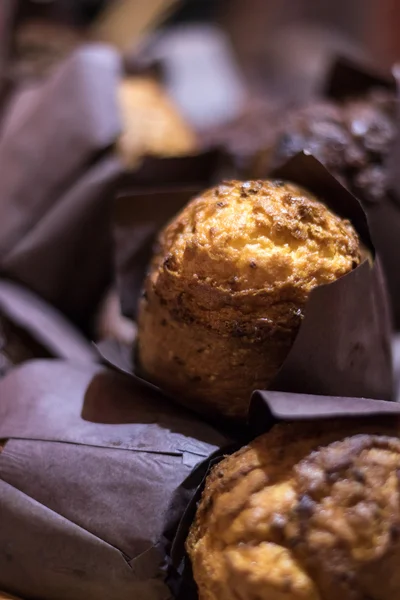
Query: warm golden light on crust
[302, 513]
[228, 285]
[151, 123]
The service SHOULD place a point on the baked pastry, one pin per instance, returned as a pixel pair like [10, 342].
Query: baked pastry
[352, 139]
[226, 291]
[150, 122]
[305, 512]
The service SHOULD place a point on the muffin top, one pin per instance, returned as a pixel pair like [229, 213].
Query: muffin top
[352, 138]
[305, 512]
[151, 123]
[252, 245]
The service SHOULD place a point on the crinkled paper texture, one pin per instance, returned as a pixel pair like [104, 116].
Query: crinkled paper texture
[42, 327]
[57, 170]
[88, 477]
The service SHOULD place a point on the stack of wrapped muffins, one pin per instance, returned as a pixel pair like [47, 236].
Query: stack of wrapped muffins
[233, 433]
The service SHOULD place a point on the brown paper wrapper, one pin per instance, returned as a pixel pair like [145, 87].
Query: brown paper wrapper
[267, 409]
[31, 328]
[88, 476]
[348, 79]
[138, 217]
[56, 173]
[147, 199]
[54, 230]
[156, 173]
[343, 345]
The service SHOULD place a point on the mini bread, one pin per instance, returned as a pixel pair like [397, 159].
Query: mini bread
[151, 124]
[227, 288]
[305, 512]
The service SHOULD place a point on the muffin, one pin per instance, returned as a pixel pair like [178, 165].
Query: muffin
[352, 139]
[304, 512]
[227, 288]
[150, 122]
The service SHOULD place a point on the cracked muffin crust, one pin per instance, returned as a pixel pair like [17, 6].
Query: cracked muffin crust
[308, 511]
[227, 288]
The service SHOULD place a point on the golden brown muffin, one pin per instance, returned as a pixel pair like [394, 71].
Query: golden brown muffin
[227, 288]
[151, 123]
[305, 512]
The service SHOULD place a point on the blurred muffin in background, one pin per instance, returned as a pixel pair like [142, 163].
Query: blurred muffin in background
[351, 138]
[151, 126]
[151, 123]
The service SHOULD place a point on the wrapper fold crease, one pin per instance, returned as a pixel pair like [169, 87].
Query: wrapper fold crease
[88, 475]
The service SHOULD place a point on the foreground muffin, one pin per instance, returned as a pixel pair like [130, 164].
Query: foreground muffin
[305, 512]
[227, 288]
[151, 124]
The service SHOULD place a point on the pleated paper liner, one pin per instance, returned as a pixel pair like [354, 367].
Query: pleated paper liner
[267, 409]
[88, 479]
[59, 171]
[349, 80]
[56, 172]
[343, 345]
